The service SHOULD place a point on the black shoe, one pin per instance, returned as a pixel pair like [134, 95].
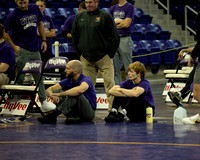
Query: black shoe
[72, 120]
[48, 119]
[114, 117]
[175, 98]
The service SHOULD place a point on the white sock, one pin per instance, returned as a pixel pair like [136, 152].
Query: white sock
[113, 110]
[125, 112]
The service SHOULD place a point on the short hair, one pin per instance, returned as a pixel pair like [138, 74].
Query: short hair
[138, 67]
[41, 1]
[1, 30]
[82, 5]
[77, 65]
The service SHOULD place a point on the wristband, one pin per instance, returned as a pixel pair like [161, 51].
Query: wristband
[44, 40]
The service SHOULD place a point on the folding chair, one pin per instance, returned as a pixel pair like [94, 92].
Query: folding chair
[33, 66]
[54, 70]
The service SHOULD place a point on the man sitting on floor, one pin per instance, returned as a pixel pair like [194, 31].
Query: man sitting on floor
[133, 96]
[78, 100]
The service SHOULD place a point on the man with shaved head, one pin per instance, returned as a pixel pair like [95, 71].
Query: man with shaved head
[77, 99]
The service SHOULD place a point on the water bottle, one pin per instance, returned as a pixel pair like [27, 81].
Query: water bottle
[149, 115]
[179, 114]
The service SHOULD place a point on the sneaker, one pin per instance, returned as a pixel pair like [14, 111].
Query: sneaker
[175, 98]
[192, 120]
[46, 107]
[114, 117]
[72, 120]
[48, 119]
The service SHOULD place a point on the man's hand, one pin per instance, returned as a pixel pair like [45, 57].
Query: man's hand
[56, 99]
[190, 61]
[16, 50]
[44, 46]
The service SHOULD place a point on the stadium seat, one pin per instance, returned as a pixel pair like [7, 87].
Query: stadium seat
[59, 20]
[145, 19]
[66, 12]
[75, 10]
[154, 59]
[173, 43]
[162, 35]
[169, 57]
[139, 31]
[137, 12]
[51, 12]
[4, 12]
[106, 9]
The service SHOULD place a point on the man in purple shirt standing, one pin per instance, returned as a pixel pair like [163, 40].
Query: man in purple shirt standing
[77, 100]
[49, 32]
[132, 96]
[23, 23]
[67, 27]
[123, 14]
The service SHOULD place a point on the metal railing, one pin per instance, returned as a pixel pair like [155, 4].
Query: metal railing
[166, 8]
[186, 20]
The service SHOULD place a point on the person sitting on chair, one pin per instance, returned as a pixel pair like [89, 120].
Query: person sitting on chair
[78, 100]
[177, 97]
[7, 59]
[132, 96]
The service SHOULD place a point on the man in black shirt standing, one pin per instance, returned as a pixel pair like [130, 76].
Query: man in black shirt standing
[95, 40]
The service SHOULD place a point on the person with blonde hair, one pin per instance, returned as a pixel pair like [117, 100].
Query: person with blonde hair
[132, 96]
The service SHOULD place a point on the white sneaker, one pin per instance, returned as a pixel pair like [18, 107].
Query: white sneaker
[192, 120]
[46, 107]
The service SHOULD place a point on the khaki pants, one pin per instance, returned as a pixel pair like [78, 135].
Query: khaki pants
[3, 79]
[105, 65]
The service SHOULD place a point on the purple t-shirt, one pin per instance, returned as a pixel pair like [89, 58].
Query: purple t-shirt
[90, 94]
[144, 83]
[7, 55]
[123, 12]
[48, 25]
[23, 25]
[67, 27]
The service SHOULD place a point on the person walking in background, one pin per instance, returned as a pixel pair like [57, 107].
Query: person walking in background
[123, 14]
[95, 40]
[7, 59]
[67, 27]
[49, 32]
[23, 22]
[77, 100]
[132, 96]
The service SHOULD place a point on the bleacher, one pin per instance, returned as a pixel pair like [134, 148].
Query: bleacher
[147, 37]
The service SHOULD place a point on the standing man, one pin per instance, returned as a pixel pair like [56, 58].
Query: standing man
[132, 96]
[7, 59]
[23, 22]
[78, 100]
[67, 27]
[95, 40]
[49, 32]
[123, 14]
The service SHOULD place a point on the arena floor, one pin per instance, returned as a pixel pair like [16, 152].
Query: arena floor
[100, 141]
